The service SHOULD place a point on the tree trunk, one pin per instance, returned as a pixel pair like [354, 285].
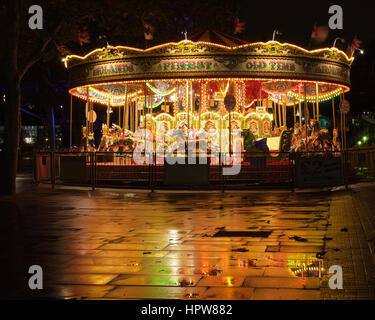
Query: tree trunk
[12, 123]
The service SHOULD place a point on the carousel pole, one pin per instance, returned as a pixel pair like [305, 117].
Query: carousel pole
[306, 122]
[130, 116]
[87, 120]
[144, 112]
[314, 114]
[341, 125]
[119, 116]
[71, 121]
[341, 131]
[230, 134]
[136, 115]
[333, 112]
[343, 97]
[300, 111]
[188, 105]
[284, 112]
[317, 101]
[125, 120]
[108, 111]
[91, 123]
[279, 112]
[150, 108]
[345, 130]
[294, 113]
[200, 106]
[144, 105]
[274, 113]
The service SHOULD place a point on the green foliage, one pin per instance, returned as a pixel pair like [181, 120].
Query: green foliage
[248, 141]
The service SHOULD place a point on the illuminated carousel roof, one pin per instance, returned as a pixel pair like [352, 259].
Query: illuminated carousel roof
[280, 69]
[212, 36]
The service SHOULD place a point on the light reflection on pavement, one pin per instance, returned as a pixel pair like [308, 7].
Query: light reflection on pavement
[111, 244]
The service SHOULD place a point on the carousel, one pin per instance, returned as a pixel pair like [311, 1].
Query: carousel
[277, 92]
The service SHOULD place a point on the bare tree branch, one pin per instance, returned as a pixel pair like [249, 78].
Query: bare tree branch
[39, 54]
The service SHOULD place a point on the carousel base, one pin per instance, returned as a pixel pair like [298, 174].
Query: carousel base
[256, 170]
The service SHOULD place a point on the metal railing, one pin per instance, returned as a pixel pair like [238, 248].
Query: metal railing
[286, 169]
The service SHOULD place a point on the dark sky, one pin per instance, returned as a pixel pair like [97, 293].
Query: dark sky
[296, 19]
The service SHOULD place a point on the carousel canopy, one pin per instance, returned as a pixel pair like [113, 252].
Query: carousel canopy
[280, 70]
[213, 36]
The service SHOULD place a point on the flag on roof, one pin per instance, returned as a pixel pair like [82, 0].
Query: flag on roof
[238, 26]
[356, 44]
[83, 37]
[148, 31]
[320, 34]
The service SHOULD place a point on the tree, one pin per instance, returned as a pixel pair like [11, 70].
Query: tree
[22, 48]
[106, 21]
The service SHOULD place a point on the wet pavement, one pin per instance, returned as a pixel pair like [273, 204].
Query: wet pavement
[122, 244]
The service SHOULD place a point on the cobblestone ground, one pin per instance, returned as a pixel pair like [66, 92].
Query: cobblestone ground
[121, 244]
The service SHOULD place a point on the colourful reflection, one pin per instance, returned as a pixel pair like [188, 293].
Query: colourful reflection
[306, 268]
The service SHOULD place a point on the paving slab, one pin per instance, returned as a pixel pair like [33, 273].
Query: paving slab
[117, 244]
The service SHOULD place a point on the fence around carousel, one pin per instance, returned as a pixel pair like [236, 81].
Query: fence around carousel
[118, 169]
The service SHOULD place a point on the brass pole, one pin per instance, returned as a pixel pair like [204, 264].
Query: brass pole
[278, 109]
[108, 111]
[314, 113]
[188, 104]
[341, 124]
[125, 120]
[200, 106]
[317, 101]
[306, 120]
[294, 112]
[136, 115]
[144, 112]
[119, 116]
[333, 112]
[87, 120]
[284, 112]
[144, 105]
[341, 131]
[71, 121]
[345, 130]
[126, 109]
[300, 110]
[132, 116]
[130, 119]
[274, 113]
[230, 134]
[92, 117]
[150, 109]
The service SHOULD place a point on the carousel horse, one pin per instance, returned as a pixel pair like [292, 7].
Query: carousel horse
[336, 146]
[297, 143]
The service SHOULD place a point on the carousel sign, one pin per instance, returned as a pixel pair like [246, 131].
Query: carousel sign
[193, 67]
[258, 60]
